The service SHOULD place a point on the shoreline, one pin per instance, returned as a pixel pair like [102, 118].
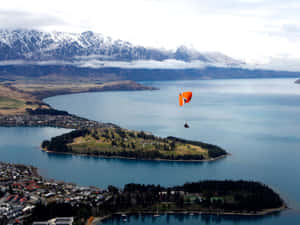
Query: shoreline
[98, 220]
[130, 158]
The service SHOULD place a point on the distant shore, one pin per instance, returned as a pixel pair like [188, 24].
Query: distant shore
[125, 85]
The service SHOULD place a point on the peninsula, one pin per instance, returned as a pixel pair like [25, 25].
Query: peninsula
[26, 197]
[117, 142]
[21, 103]
[18, 97]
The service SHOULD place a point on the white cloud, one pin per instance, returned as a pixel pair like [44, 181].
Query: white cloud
[280, 63]
[95, 63]
[283, 63]
[15, 19]
[150, 64]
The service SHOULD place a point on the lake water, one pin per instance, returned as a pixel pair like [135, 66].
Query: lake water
[256, 120]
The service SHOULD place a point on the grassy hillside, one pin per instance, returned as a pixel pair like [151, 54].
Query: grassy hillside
[14, 101]
[117, 142]
[20, 96]
[10, 103]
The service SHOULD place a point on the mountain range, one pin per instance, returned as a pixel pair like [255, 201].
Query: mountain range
[40, 46]
[33, 53]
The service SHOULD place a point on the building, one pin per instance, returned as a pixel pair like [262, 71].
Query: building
[56, 221]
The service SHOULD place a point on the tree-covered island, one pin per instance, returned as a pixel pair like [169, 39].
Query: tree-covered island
[118, 142]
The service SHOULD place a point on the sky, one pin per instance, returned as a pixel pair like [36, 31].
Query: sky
[255, 31]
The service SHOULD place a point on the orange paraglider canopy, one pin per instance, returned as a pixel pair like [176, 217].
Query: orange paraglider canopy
[180, 100]
[185, 97]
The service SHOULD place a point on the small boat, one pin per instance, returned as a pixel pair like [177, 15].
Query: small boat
[156, 214]
[123, 215]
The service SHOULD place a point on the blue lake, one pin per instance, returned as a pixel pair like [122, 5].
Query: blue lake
[256, 120]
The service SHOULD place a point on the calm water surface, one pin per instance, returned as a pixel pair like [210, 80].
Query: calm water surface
[256, 120]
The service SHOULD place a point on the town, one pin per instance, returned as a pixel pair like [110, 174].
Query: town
[61, 121]
[21, 189]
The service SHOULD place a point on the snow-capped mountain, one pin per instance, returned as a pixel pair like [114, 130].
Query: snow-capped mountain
[33, 45]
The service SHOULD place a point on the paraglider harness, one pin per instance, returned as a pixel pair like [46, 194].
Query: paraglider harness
[186, 125]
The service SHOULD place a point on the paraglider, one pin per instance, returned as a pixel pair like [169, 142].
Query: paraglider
[184, 98]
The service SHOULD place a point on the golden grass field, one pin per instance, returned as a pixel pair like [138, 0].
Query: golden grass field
[97, 141]
[13, 101]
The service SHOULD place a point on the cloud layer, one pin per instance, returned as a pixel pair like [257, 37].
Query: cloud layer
[276, 64]
[94, 63]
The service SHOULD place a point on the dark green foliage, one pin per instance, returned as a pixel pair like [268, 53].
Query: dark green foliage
[250, 196]
[172, 145]
[95, 135]
[41, 111]
[45, 144]
[43, 212]
[59, 143]
[131, 134]
[3, 220]
[49, 211]
[145, 136]
[247, 196]
[120, 132]
[113, 189]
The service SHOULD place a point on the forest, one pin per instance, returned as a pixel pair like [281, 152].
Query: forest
[44, 111]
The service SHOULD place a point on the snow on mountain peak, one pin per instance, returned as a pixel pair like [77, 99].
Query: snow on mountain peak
[36, 45]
